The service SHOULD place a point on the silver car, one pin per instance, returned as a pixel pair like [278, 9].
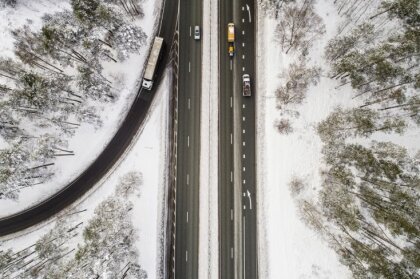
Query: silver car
[197, 35]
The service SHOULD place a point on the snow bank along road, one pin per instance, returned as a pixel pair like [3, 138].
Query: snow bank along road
[110, 154]
[188, 141]
[237, 176]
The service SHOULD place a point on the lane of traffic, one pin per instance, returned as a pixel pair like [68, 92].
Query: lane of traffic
[247, 140]
[188, 133]
[227, 251]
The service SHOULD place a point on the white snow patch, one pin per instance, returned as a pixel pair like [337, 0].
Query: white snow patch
[25, 13]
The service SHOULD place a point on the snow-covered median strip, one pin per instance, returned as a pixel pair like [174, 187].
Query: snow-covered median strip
[208, 232]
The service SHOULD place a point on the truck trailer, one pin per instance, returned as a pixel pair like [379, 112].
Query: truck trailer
[152, 63]
[231, 33]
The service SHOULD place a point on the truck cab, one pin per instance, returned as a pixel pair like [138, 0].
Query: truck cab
[231, 49]
[246, 85]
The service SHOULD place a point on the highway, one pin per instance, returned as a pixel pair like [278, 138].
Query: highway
[237, 175]
[237, 179]
[112, 151]
[188, 142]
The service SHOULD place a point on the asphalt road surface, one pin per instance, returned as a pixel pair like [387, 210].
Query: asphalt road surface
[109, 155]
[227, 251]
[188, 142]
[237, 178]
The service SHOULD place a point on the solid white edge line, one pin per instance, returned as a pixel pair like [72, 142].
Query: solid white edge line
[243, 251]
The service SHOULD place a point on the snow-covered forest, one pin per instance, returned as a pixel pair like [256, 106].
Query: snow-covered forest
[100, 247]
[364, 197]
[56, 81]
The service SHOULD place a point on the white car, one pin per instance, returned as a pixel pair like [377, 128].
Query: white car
[197, 32]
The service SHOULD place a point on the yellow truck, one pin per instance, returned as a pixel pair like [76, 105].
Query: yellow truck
[231, 39]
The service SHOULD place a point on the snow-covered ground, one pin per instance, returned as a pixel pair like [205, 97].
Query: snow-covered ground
[287, 247]
[88, 142]
[146, 155]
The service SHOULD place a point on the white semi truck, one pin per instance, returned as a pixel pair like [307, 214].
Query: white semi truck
[152, 63]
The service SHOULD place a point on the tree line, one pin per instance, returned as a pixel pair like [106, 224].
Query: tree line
[368, 207]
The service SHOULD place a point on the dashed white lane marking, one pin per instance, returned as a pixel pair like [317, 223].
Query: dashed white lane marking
[231, 138]
[189, 103]
[186, 256]
[188, 141]
[243, 32]
[244, 181]
[243, 44]
[189, 66]
[243, 105]
[243, 118]
[243, 156]
[243, 169]
[243, 20]
[243, 194]
[243, 143]
[231, 102]
[231, 65]
[190, 30]
[231, 252]
[243, 8]
[187, 216]
[231, 176]
[243, 69]
[243, 131]
[188, 179]
[243, 56]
